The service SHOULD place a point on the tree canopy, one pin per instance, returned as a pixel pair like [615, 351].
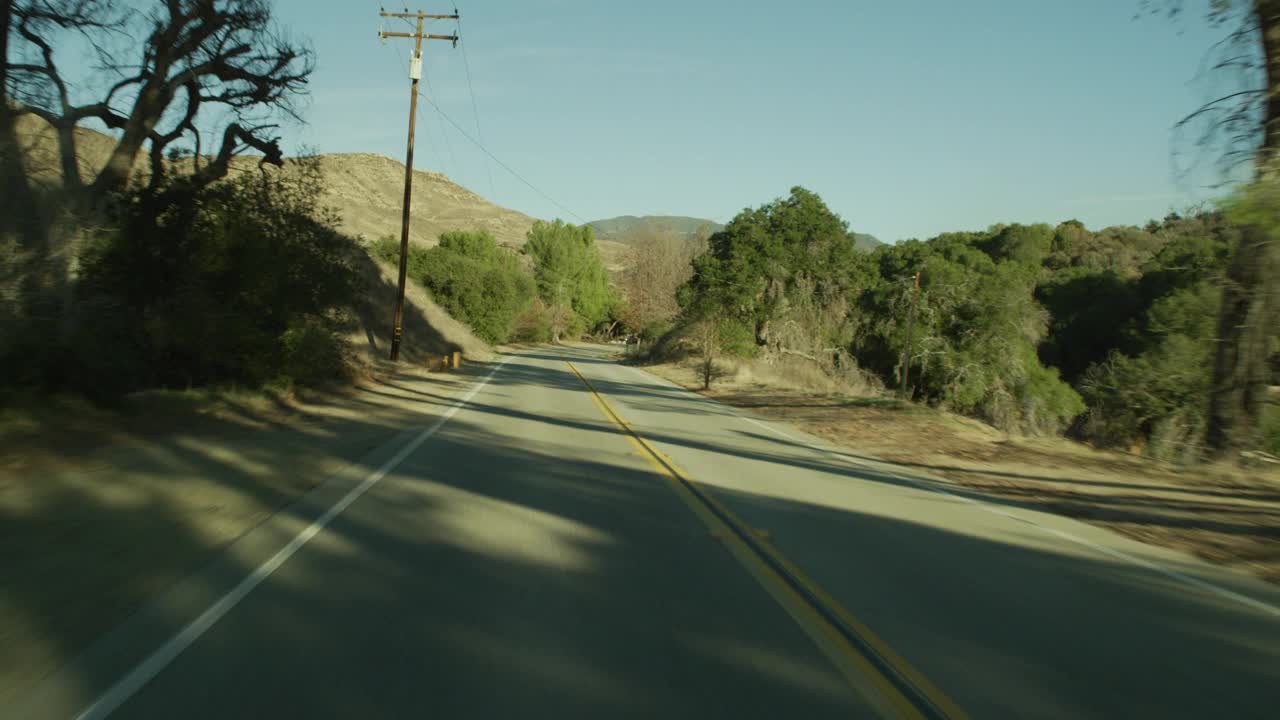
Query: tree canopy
[570, 276]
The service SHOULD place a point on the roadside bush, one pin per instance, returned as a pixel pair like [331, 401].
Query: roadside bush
[976, 331]
[241, 282]
[312, 351]
[1049, 404]
[471, 278]
[534, 324]
[1158, 396]
[1271, 429]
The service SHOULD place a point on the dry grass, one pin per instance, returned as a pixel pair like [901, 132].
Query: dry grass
[1221, 513]
[367, 191]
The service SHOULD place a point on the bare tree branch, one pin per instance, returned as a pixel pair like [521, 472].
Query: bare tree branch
[205, 54]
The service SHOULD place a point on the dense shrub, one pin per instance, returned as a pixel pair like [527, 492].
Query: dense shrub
[244, 281]
[1271, 429]
[1152, 389]
[534, 324]
[472, 278]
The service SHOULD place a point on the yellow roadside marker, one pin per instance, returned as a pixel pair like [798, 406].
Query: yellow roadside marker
[865, 660]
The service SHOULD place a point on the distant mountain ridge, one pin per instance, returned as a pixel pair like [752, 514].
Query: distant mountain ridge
[865, 242]
[618, 229]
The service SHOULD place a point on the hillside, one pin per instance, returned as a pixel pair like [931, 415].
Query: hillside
[367, 191]
[866, 242]
[40, 149]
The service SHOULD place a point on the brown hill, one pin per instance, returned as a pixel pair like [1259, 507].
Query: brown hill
[40, 149]
[367, 191]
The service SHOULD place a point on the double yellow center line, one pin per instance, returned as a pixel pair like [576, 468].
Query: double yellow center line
[868, 664]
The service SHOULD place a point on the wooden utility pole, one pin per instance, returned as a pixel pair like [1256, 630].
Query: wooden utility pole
[415, 74]
[911, 326]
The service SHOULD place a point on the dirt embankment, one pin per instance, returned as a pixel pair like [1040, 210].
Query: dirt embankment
[1223, 514]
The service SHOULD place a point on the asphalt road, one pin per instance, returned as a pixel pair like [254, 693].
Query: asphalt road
[585, 540]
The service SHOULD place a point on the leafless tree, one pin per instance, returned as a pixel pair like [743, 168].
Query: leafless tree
[657, 263]
[170, 73]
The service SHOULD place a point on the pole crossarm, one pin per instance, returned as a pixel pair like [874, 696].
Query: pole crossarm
[385, 34]
[422, 15]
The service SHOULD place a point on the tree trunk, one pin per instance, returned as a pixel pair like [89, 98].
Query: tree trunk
[147, 111]
[20, 207]
[17, 202]
[1246, 325]
[708, 352]
[1250, 306]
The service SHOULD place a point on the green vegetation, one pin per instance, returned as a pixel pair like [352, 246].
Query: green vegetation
[1271, 428]
[243, 281]
[1035, 329]
[570, 277]
[113, 280]
[490, 288]
[472, 278]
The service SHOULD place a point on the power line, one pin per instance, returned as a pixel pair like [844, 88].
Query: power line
[444, 131]
[501, 164]
[476, 140]
[475, 107]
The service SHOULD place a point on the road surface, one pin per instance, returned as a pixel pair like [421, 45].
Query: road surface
[575, 538]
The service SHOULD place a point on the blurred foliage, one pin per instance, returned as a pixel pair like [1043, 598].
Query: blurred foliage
[1271, 429]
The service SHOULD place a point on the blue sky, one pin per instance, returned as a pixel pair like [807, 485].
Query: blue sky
[909, 118]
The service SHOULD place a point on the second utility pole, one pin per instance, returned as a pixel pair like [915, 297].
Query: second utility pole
[911, 325]
[415, 74]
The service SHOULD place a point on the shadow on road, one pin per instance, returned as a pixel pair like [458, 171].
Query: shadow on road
[517, 537]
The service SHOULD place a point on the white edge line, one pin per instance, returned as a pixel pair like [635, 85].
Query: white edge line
[140, 675]
[986, 505]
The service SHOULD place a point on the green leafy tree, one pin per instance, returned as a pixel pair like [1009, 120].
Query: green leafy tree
[571, 278]
[1026, 244]
[1243, 127]
[478, 244]
[976, 333]
[1157, 397]
[787, 270]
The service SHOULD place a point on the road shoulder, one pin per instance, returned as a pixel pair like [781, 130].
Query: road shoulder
[92, 537]
[1225, 516]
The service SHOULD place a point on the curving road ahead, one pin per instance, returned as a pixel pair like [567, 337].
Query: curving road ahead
[576, 538]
